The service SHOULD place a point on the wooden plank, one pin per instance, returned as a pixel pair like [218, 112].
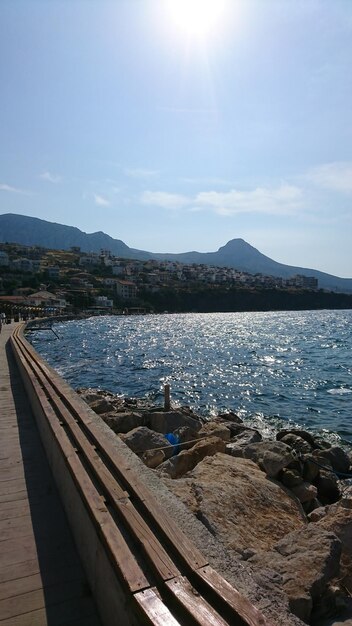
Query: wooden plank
[128, 570]
[40, 580]
[40, 598]
[246, 613]
[80, 610]
[152, 610]
[193, 605]
[157, 557]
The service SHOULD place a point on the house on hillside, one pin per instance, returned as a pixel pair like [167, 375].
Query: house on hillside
[46, 299]
[126, 289]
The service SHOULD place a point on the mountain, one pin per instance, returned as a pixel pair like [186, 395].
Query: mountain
[237, 253]
[31, 231]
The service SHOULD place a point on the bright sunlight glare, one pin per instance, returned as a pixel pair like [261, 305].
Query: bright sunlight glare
[196, 17]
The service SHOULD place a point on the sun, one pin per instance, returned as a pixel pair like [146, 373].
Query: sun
[196, 18]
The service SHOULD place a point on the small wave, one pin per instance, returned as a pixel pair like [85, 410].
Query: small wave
[340, 391]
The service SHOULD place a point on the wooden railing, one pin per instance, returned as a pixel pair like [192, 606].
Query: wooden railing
[141, 567]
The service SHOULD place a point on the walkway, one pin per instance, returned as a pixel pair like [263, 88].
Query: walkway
[41, 579]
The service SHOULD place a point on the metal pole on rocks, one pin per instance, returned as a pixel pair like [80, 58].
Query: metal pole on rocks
[167, 404]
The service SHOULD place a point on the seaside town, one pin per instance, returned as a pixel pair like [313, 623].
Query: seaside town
[69, 281]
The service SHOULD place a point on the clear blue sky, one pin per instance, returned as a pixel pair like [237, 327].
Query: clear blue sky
[176, 129]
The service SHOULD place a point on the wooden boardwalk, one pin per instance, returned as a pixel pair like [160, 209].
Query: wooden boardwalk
[41, 579]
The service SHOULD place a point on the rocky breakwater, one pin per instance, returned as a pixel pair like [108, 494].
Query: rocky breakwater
[282, 507]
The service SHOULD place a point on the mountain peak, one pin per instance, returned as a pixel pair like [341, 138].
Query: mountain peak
[236, 253]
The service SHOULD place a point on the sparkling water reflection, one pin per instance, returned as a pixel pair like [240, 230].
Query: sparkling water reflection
[271, 368]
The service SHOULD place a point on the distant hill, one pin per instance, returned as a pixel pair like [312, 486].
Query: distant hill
[237, 253]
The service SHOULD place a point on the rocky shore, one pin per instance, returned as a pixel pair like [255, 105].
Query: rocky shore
[282, 508]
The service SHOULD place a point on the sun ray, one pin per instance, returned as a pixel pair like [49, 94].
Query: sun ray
[196, 18]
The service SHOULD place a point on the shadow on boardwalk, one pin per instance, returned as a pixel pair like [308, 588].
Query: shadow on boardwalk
[41, 579]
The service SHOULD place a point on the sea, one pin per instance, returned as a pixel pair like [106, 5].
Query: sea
[274, 369]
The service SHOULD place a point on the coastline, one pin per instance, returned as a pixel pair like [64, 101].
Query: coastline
[223, 472]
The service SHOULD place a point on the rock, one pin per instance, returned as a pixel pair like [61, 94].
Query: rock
[236, 428]
[305, 492]
[310, 469]
[238, 503]
[101, 405]
[237, 444]
[247, 436]
[187, 436]
[328, 487]
[169, 421]
[271, 456]
[336, 457]
[231, 417]
[234, 450]
[188, 459]
[290, 478]
[303, 434]
[123, 422]
[215, 429]
[142, 439]
[297, 443]
[311, 505]
[307, 559]
[317, 514]
[339, 521]
[153, 458]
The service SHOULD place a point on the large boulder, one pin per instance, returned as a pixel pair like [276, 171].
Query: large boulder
[271, 456]
[188, 459]
[215, 429]
[101, 406]
[335, 457]
[124, 421]
[338, 520]
[238, 503]
[297, 442]
[142, 439]
[307, 560]
[303, 434]
[169, 421]
[328, 487]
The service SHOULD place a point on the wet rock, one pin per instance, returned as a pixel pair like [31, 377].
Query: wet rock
[238, 503]
[271, 456]
[142, 439]
[123, 422]
[306, 560]
[101, 406]
[237, 444]
[215, 429]
[169, 421]
[231, 417]
[336, 457]
[188, 459]
[297, 443]
[303, 434]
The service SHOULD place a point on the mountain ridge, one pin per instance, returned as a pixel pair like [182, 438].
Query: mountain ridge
[235, 253]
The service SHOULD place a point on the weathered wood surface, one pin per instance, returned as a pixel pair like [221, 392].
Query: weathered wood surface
[41, 579]
[164, 578]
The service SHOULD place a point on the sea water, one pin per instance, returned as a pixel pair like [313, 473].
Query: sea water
[274, 369]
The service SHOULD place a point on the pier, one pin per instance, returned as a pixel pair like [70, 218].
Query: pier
[94, 546]
[41, 578]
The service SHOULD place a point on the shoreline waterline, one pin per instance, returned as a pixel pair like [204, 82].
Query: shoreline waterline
[276, 369]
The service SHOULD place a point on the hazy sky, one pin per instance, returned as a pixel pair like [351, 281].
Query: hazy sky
[178, 127]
